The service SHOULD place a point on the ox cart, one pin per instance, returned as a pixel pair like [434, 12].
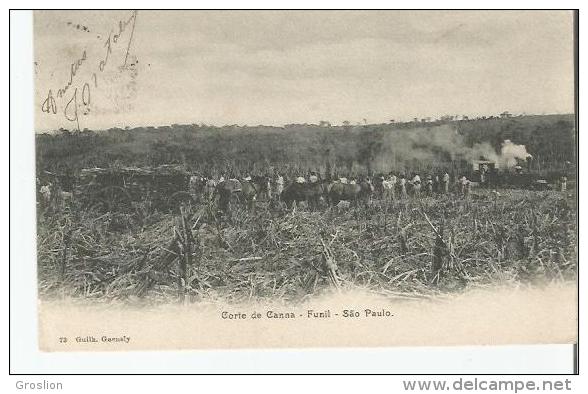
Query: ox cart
[122, 189]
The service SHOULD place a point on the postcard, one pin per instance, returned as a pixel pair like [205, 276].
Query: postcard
[293, 179]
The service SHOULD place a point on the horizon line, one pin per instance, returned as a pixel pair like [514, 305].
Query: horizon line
[425, 120]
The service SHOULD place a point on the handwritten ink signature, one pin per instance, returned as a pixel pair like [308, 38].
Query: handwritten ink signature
[82, 92]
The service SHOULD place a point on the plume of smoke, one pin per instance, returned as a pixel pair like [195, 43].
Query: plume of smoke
[511, 152]
[432, 146]
[435, 146]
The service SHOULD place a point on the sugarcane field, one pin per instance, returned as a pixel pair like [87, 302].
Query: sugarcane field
[355, 190]
[190, 213]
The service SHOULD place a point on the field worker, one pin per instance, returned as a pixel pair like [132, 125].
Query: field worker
[416, 184]
[279, 185]
[402, 183]
[300, 180]
[465, 185]
[38, 189]
[429, 185]
[436, 183]
[195, 182]
[313, 177]
[209, 187]
[343, 180]
[352, 181]
[247, 177]
[379, 181]
[46, 193]
[563, 184]
[483, 172]
[389, 185]
[445, 183]
[268, 187]
[222, 178]
[393, 182]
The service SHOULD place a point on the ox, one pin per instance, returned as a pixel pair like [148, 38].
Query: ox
[354, 193]
[310, 192]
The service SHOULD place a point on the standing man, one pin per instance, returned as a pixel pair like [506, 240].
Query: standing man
[390, 186]
[445, 183]
[436, 184]
[563, 184]
[416, 184]
[465, 186]
[429, 185]
[46, 194]
[279, 185]
[403, 193]
[268, 186]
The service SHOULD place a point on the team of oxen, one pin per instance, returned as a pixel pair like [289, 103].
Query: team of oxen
[314, 192]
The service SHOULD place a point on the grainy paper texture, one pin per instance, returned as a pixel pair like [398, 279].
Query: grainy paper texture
[279, 179]
[499, 317]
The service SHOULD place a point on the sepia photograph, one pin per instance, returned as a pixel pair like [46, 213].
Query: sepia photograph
[291, 179]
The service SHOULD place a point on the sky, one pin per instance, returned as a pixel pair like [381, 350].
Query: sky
[278, 67]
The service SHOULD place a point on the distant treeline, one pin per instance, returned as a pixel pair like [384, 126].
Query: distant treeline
[373, 148]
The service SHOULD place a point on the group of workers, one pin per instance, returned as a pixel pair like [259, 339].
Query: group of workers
[388, 186]
[394, 185]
